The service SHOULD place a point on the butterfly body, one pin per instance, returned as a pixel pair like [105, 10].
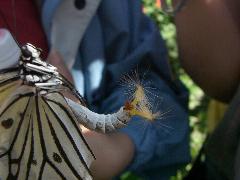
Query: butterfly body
[36, 72]
[39, 135]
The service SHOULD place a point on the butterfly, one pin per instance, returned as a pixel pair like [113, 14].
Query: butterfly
[40, 136]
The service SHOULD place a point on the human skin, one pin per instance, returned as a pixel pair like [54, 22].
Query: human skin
[209, 45]
[209, 48]
[113, 151]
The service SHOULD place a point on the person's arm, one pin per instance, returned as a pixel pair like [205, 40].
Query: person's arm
[113, 153]
[209, 44]
[144, 148]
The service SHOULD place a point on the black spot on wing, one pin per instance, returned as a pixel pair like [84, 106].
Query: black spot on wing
[57, 158]
[71, 118]
[7, 123]
[45, 158]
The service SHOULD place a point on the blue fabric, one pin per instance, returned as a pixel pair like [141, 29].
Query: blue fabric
[122, 39]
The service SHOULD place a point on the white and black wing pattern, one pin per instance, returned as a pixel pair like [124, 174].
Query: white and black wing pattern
[79, 149]
[14, 126]
[40, 139]
[8, 75]
[9, 82]
[39, 133]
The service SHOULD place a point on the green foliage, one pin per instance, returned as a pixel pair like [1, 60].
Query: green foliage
[198, 101]
[167, 30]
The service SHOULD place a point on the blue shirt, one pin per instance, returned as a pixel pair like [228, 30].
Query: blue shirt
[118, 40]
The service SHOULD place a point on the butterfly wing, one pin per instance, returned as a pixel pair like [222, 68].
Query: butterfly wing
[14, 123]
[39, 134]
[70, 149]
[40, 139]
[9, 82]
[8, 74]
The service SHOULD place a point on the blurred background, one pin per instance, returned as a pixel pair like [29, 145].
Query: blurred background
[198, 102]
